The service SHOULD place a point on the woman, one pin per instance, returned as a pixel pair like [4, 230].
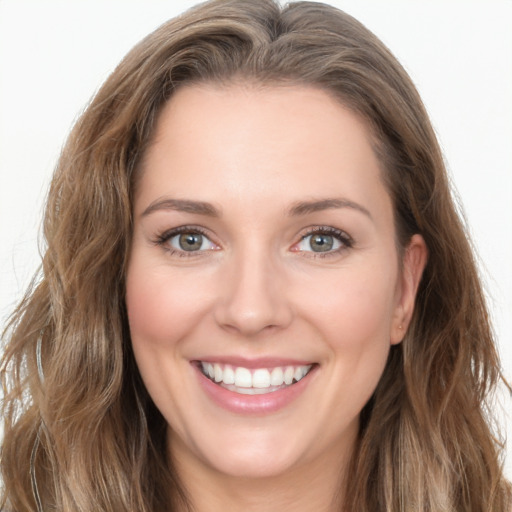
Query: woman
[257, 293]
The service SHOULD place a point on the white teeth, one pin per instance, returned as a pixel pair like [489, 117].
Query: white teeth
[277, 377]
[217, 373]
[252, 391]
[243, 378]
[229, 375]
[260, 380]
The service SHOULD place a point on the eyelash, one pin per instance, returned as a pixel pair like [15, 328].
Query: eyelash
[346, 241]
[164, 238]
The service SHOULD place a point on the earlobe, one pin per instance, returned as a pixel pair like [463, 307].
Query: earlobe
[414, 262]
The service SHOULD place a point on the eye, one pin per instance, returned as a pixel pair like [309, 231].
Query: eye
[319, 242]
[324, 240]
[190, 242]
[186, 240]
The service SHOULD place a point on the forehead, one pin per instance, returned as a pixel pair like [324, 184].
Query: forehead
[278, 143]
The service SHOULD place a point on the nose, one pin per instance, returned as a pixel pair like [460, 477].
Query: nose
[253, 296]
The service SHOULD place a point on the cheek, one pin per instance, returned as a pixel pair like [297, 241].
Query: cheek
[354, 319]
[353, 309]
[355, 322]
[160, 307]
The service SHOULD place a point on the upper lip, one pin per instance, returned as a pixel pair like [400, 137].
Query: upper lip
[260, 362]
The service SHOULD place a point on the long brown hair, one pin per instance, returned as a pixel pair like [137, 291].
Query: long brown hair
[82, 434]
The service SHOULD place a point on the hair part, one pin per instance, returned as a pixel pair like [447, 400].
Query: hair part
[425, 441]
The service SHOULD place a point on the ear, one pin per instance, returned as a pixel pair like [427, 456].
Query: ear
[414, 261]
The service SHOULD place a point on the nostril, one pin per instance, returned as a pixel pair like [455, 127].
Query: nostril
[251, 300]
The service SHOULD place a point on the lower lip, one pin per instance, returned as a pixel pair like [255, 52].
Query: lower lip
[265, 403]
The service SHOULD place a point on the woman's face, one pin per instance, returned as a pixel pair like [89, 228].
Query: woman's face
[264, 288]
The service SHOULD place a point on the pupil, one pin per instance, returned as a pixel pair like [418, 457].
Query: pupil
[321, 243]
[191, 241]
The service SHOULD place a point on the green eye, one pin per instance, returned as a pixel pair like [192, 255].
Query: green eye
[321, 243]
[190, 241]
[324, 240]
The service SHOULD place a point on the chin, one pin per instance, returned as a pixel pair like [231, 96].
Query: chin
[247, 454]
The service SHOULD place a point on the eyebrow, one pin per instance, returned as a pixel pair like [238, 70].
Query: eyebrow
[307, 207]
[182, 205]
[299, 208]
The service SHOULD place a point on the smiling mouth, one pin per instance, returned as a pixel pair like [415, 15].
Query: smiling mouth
[253, 381]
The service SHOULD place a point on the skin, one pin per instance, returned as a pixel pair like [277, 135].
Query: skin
[256, 288]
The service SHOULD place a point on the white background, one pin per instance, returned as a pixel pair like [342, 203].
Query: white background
[55, 54]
